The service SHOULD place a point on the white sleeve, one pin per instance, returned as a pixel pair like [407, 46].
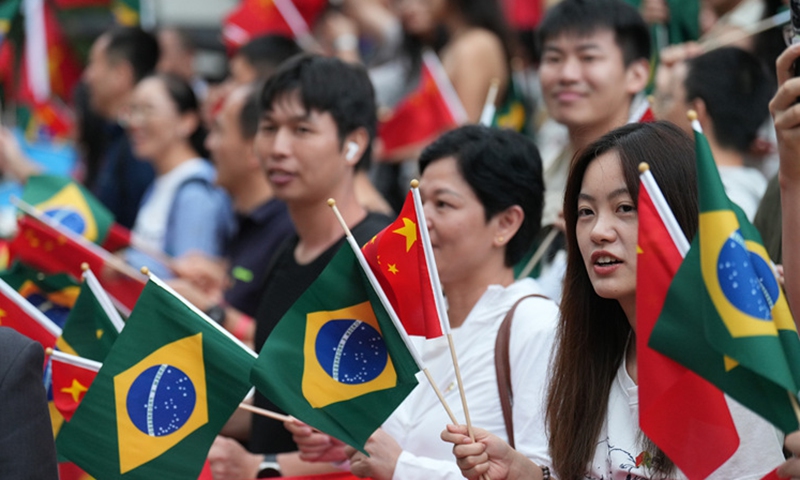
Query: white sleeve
[411, 466]
[532, 340]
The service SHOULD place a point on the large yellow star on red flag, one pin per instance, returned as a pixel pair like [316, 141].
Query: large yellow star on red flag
[408, 230]
[76, 389]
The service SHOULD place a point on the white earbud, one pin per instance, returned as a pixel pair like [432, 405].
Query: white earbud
[352, 150]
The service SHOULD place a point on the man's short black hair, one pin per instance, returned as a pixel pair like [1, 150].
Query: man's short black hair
[248, 116]
[327, 84]
[267, 52]
[504, 169]
[135, 46]
[736, 89]
[585, 17]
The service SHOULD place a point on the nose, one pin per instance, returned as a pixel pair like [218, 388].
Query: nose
[570, 70]
[281, 143]
[604, 229]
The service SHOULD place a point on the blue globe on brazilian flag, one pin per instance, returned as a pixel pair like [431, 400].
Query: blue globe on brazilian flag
[69, 204]
[166, 388]
[335, 360]
[725, 316]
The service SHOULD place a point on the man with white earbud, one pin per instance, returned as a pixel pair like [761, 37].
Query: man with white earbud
[316, 124]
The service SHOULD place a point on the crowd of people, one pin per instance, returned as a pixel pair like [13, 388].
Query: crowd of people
[225, 189]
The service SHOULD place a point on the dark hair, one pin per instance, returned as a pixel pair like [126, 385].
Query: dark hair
[248, 115]
[184, 40]
[585, 17]
[736, 90]
[328, 85]
[135, 46]
[594, 331]
[267, 52]
[185, 100]
[504, 169]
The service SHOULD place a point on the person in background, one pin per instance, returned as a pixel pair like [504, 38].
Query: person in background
[178, 58]
[706, 84]
[230, 292]
[592, 413]
[27, 450]
[182, 211]
[118, 60]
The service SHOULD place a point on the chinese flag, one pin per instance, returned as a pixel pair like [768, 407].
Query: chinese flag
[118, 238]
[397, 258]
[252, 18]
[71, 378]
[52, 250]
[686, 416]
[19, 314]
[418, 119]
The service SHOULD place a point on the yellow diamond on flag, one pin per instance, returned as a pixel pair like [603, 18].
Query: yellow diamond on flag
[345, 356]
[160, 401]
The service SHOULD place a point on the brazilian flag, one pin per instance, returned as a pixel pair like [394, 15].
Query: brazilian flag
[54, 295]
[725, 316]
[69, 204]
[335, 360]
[93, 324]
[170, 382]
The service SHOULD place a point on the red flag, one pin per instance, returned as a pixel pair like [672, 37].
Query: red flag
[398, 260]
[430, 110]
[252, 18]
[118, 238]
[71, 377]
[684, 415]
[642, 113]
[53, 250]
[523, 14]
[19, 314]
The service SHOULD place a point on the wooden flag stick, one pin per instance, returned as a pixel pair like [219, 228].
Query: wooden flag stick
[487, 114]
[539, 253]
[441, 308]
[734, 36]
[389, 309]
[266, 413]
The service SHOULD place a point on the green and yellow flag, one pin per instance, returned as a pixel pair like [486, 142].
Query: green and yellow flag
[54, 295]
[93, 324]
[70, 204]
[725, 316]
[9, 11]
[335, 360]
[170, 382]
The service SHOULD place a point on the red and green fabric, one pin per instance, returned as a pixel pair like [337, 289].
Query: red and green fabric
[93, 324]
[397, 259]
[19, 314]
[54, 295]
[170, 382]
[725, 316]
[685, 415]
[335, 360]
[51, 250]
[71, 376]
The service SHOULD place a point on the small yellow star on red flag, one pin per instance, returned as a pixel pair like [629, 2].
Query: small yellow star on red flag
[76, 389]
[408, 230]
[393, 268]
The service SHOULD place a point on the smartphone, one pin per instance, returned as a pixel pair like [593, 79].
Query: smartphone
[794, 6]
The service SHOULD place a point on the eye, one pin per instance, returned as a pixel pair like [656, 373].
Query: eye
[627, 208]
[267, 127]
[302, 129]
[589, 58]
[585, 212]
